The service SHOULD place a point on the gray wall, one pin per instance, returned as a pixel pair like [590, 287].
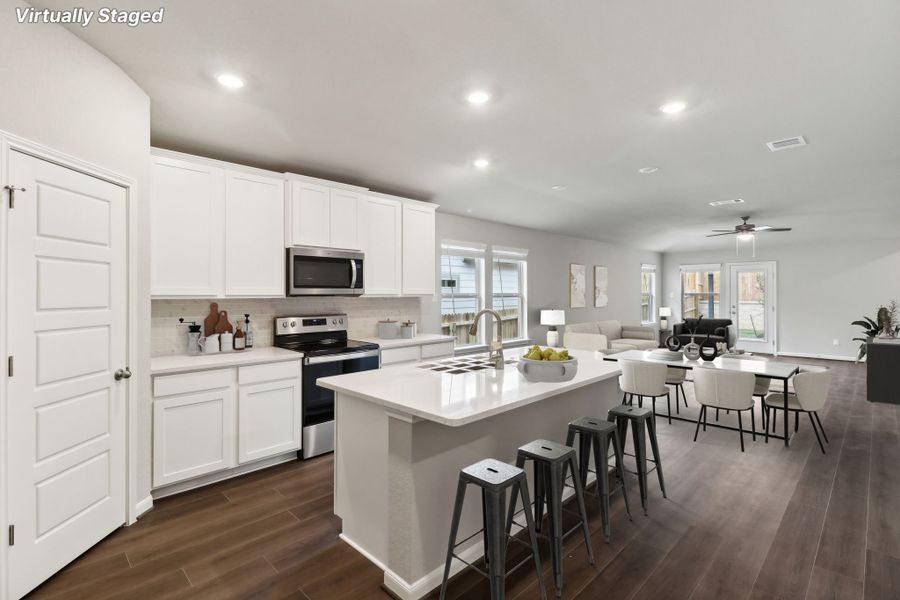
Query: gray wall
[61, 93]
[549, 256]
[821, 288]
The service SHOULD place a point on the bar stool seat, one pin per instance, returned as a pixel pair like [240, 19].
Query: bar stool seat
[597, 435]
[494, 478]
[643, 425]
[551, 461]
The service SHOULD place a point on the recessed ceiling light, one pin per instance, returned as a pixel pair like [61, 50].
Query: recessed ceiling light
[648, 170]
[724, 202]
[478, 97]
[230, 81]
[673, 108]
[558, 188]
[481, 163]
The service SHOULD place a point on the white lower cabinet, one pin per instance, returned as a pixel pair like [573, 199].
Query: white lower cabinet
[193, 434]
[213, 420]
[415, 353]
[268, 419]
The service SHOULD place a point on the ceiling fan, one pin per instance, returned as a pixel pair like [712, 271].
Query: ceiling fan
[746, 230]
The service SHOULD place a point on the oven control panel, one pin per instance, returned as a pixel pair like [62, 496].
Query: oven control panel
[310, 324]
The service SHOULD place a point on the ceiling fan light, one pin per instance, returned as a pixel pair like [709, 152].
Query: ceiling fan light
[745, 236]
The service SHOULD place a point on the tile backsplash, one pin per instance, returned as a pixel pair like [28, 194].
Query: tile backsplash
[169, 336]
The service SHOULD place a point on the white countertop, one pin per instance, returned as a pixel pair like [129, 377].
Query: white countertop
[420, 340]
[162, 365]
[457, 400]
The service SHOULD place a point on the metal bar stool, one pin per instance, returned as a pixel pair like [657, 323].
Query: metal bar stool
[494, 478]
[642, 423]
[599, 434]
[551, 461]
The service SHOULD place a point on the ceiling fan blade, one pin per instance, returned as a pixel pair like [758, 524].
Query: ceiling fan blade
[763, 228]
[718, 234]
[777, 229]
[723, 231]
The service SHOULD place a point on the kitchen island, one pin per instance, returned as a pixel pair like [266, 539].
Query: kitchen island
[403, 434]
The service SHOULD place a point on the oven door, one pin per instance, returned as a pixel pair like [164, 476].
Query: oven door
[324, 272]
[318, 402]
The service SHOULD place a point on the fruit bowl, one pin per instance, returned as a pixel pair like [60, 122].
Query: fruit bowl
[547, 370]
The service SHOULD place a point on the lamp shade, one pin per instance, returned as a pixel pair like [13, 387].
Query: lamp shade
[553, 317]
[665, 311]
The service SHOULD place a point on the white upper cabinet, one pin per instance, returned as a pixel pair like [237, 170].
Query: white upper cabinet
[321, 215]
[419, 260]
[254, 235]
[382, 245]
[217, 230]
[309, 210]
[187, 221]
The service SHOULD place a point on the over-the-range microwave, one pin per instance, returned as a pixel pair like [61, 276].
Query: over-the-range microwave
[324, 272]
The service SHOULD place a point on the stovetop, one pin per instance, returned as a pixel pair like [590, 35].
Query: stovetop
[323, 347]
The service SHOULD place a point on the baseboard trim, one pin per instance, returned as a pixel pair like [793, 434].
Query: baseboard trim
[203, 480]
[820, 356]
[143, 506]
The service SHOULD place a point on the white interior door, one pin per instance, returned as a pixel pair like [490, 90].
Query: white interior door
[67, 336]
[752, 298]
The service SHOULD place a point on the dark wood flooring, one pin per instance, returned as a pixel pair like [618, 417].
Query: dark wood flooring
[769, 523]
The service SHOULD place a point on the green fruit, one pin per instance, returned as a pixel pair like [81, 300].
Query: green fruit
[554, 356]
[546, 353]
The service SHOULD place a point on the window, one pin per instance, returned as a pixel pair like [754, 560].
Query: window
[462, 290]
[700, 291]
[648, 294]
[508, 291]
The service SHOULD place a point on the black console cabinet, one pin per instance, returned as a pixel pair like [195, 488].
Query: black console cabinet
[883, 372]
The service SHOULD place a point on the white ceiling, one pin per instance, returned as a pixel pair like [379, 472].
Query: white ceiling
[372, 93]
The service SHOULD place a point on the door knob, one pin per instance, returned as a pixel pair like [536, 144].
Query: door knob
[123, 374]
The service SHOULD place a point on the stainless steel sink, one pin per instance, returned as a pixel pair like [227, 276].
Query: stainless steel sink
[463, 364]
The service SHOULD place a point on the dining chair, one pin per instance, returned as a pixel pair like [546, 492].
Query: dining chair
[810, 392]
[729, 390]
[675, 378]
[761, 386]
[644, 380]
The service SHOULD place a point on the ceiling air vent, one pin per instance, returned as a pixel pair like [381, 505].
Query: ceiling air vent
[784, 144]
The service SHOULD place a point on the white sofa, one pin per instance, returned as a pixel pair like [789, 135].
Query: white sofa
[610, 337]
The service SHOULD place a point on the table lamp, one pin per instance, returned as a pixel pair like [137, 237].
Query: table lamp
[664, 313]
[553, 318]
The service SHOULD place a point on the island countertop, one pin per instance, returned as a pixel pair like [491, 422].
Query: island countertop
[460, 399]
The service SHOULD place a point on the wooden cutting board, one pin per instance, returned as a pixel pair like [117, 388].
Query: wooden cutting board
[224, 325]
[209, 323]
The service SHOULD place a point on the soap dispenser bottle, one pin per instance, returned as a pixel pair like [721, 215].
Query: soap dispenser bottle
[248, 332]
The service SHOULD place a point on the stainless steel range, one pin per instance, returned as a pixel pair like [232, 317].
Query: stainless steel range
[322, 340]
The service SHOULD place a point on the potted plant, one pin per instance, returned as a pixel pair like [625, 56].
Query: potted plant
[885, 325]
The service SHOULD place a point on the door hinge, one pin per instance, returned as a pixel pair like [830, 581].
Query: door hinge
[9, 365]
[12, 535]
[12, 194]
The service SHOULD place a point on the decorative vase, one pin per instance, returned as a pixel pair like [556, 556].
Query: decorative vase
[673, 343]
[708, 351]
[692, 350]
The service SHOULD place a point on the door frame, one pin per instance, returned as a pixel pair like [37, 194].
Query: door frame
[9, 143]
[727, 272]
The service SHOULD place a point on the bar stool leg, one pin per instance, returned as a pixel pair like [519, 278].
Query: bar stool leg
[485, 533]
[555, 476]
[494, 505]
[540, 483]
[584, 457]
[532, 534]
[454, 528]
[620, 469]
[601, 464]
[654, 444]
[579, 496]
[640, 458]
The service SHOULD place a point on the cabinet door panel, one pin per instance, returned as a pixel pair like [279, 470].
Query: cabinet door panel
[254, 230]
[193, 435]
[382, 246]
[418, 250]
[344, 219]
[310, 214]
[268, 419]
[186, 211]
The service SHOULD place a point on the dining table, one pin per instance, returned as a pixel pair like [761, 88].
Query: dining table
[768, 369]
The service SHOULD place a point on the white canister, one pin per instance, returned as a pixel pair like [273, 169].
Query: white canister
[388, 330]
[408, 330]
[227, 341]
[209, 344]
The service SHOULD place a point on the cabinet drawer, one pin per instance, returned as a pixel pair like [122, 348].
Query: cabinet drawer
[435, 350]
[397, 355]
[269, 372]
[196, 381]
